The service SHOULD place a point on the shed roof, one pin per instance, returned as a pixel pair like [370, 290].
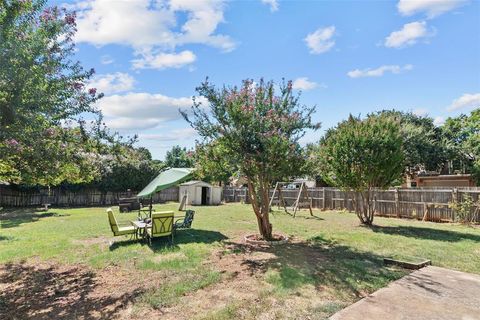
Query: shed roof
[190, 183]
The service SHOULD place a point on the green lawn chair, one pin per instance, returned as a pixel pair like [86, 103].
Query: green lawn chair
[116, 229]
[160, 226]
[185, 222]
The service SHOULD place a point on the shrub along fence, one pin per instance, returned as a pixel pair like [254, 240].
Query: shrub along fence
[422, 204]
[10, 197]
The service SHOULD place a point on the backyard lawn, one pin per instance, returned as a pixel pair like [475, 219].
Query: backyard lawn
[65, 263]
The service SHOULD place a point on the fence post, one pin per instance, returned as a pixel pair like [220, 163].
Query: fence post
[323, 199]
[425, 212]
[397, 203]
[454, 199]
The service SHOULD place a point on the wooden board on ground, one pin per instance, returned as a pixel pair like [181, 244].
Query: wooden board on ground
[407, 264]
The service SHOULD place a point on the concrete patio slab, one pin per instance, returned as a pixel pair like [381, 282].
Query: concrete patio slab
[429, 293]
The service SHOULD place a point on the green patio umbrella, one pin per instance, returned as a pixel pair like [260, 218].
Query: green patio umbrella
[164, 180]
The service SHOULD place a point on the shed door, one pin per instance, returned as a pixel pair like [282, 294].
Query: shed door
[198, 196]
[205, 196]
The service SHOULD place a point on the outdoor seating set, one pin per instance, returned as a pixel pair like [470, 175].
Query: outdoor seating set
[159, 224]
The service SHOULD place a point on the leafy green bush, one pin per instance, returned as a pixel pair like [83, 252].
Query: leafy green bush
[466, 211]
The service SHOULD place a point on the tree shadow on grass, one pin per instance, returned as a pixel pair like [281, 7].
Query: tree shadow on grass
[426, 233]
[300, 215]
[180, 237]
[309, 217]
[14, 217]
[198, 236]
[348, 273]
[57, 292]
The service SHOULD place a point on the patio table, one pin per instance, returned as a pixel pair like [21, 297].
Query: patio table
[140, 228]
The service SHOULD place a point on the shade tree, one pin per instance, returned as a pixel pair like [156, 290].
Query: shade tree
[256, 129]
[361, 156]
[50, 129]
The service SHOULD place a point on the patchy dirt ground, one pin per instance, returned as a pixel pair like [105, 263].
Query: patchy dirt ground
[244, 294]
[45, 290]
[42, 290]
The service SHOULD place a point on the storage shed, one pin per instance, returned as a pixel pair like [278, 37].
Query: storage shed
[200, 193]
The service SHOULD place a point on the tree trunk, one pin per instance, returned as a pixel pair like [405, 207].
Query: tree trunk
[366, 210]
[260, 205]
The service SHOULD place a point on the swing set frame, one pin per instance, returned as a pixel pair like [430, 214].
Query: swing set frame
[302, 200]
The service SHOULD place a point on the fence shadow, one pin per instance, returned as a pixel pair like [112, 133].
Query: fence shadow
[426, 233]
[32, 292]
[14, 217]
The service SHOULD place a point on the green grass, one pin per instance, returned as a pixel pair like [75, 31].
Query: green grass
[332, 258]
[288, 278]
[168, 293]
[59, 233]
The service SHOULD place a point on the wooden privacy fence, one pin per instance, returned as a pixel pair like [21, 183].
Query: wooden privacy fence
[81, 198]
[235, 194]
[422, 204]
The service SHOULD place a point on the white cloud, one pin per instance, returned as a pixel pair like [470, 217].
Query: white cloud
[272, 3]
[143, 105]
[420, 112]
[127, 124]
[133, 23]
[438, 121]
[431, 8]
[113, 82]
[467, 100]
[203, 19]
[321, 40]
[153, 26]
[164, 60]
[172, 135]
[106, 59]
[142, 110]
[410, 34]
[378, 72]
[304, 84]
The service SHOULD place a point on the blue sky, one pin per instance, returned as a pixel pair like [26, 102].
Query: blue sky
[345, 56]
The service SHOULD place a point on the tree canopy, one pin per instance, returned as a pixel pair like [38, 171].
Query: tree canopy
[133, 169]
[179, 157]
[215, 167]
[423, 144]
[360, 156]
[50, 130]
[462, 137]
[256, 131]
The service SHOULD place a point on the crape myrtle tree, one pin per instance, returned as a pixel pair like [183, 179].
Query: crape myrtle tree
[50, 131]
[257, 129]
[361, 156]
